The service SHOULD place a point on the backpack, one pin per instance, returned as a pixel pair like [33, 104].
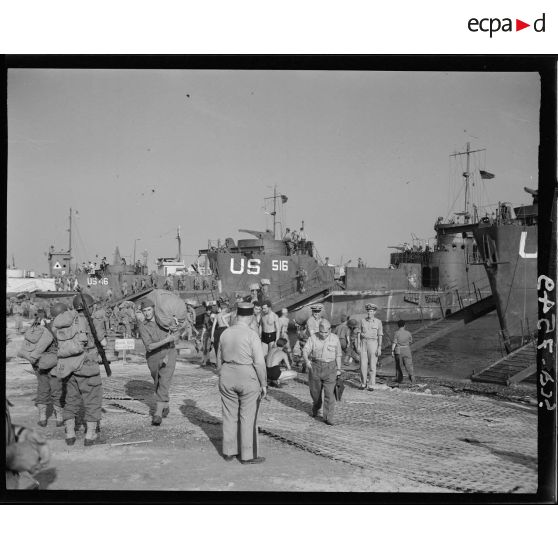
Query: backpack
[36, 341]
[170, 310]
[71, 343]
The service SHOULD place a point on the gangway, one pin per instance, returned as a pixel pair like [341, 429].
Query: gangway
[441, 328]
[515, 367]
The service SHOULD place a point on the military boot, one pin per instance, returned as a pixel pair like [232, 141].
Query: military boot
[70, 428]
[59, 416]
[42, 414]
[91, 438]
[158, 414]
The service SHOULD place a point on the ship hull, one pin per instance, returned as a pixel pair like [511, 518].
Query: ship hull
[510, 255]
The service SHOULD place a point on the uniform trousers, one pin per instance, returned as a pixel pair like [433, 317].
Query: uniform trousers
[368, 360]
[403, 360]
[18, 322]
[161, 364]
[323, 376]
[49, 389]
[352, 351]
[87, 390]
[240, 397]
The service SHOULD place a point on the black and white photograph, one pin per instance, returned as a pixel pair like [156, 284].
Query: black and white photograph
[291, 279]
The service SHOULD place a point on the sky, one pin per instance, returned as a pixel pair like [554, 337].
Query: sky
[363, 157]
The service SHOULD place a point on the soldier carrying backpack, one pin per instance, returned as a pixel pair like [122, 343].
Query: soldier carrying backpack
[40, 349]
[78, 365]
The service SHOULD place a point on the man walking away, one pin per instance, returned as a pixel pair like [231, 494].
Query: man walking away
[401, 351]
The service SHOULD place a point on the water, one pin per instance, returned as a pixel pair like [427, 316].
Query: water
[460, 353]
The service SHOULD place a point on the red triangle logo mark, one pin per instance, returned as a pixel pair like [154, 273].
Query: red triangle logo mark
[519, 25]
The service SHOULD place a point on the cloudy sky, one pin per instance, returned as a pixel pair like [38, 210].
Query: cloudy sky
[362, 156]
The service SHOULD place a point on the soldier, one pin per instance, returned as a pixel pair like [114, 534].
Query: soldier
[270, 324]
[27, 451]
[49, 385]
[190, 330]
[135, 285]
[84, 386]
[100, 320]
[124, 288]
[284, 332]
[322, 355]
[301, 276]
[221, 323]
[17, 310]
[32, 310]
[109, 294]
[353, 349]
[401, 351]
[206, 333]
[161, 359]
[370, 335]
[143, 284]
[242, 383]
[313, 322]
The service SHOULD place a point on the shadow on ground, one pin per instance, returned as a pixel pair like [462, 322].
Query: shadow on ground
[210, 424]
[141, 390]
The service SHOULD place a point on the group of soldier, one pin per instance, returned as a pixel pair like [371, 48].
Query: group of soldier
[253, 349]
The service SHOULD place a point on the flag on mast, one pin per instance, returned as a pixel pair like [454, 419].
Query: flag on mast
[486, 175]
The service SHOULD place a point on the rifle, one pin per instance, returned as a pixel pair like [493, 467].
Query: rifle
[100, 348]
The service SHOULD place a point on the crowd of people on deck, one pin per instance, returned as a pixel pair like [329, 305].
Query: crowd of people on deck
[252, 348]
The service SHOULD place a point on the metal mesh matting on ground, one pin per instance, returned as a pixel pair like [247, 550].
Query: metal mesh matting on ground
[453, 443]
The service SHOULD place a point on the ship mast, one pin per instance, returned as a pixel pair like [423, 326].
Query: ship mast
[274, 212]
[179, 258]
[467, 175]
[70, 243]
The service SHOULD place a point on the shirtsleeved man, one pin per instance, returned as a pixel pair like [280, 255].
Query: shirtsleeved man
[401, 351]
[242, 382]
[322, 355]
[161, 359]
[370, 335]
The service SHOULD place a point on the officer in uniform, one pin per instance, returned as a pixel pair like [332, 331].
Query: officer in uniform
[264, 294]
[322, 356]
[84, 387]
[369, 340]
[161, 358]
[313, 321]
[242, 382]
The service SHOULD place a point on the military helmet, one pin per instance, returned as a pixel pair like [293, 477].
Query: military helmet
[78, 302]
[58, 308]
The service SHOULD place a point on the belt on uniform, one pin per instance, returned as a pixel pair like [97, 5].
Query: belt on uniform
[237, 363]
[322, 361]
[370, 339]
